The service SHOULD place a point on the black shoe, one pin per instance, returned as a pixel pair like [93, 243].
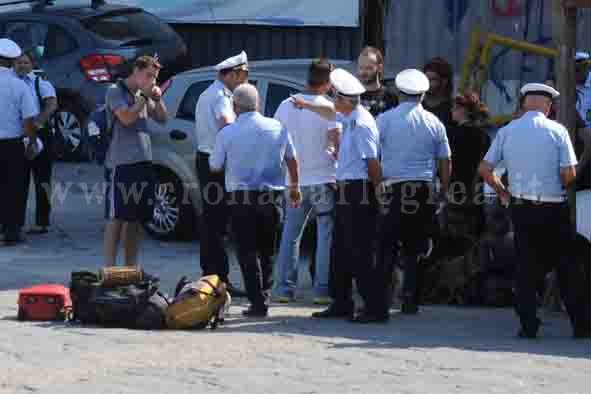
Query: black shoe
[334, 312]
[530, 331]
[366, 318]
[13, 241]
[235, 292]
[258, 311]
[268, 286]
[582, 333]
[409, 308]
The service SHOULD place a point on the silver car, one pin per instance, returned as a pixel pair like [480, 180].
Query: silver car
[178, 201]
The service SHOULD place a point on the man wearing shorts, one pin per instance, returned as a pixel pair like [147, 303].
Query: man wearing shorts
[130, 179]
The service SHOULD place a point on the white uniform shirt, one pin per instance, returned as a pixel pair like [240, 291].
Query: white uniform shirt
[359, 143]
[309, 133]
[584, 103]
[214, 103]
[499, 170]
[412, 141]
[16, 104]
[46, 89]
[253, 151]
[534, 149]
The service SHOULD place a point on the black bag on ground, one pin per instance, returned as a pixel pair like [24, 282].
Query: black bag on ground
[139, 306]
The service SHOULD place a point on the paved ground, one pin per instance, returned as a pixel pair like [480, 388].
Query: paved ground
[444, 350]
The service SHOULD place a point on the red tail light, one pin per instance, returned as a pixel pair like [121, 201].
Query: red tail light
[97, 68]
[165, 85]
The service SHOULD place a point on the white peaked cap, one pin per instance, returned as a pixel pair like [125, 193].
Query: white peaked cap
[239, 61]
[346, 83]
[540, 89]
[412, 82]
[9, 49]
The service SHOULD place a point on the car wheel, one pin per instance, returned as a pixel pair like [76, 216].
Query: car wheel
[172, 219]
[70, 127]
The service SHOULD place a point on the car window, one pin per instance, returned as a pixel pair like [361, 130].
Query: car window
[128, 26]
[276, 93]
[30, 36]
[42, 40]
[187, 108]
[59, 42]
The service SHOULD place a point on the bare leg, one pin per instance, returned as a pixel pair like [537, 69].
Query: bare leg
[133, 235]
[111, 243]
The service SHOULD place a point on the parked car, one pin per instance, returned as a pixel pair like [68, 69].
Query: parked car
[178, 202]
[83, 48]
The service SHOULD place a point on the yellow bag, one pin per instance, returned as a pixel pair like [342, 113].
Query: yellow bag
[199, 304]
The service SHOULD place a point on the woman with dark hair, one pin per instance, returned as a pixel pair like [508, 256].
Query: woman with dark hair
[438, 99]
[469, 142]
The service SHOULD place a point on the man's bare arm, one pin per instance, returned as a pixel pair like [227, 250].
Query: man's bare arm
[128, 115]
[157, 111]
[295, 194]
[444, 172]
[486, 171]
[49, 108]
[374, 171]
[325, 111]
[567, 176]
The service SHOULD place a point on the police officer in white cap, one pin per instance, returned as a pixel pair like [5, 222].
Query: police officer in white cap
[540, 161]
[582, 76]
[358, 173]
[414, 150]
[213, 112]
[16, 122]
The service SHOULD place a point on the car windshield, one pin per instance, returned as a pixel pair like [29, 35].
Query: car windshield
[129, 27]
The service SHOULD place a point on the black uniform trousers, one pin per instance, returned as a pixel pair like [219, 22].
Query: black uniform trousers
[214, 219]
[352, 254]
[254, 227]
[12, 198]
[408, 221]
[41, 169]
[544, 239]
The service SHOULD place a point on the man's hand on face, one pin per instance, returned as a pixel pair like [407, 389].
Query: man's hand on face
[155, 93]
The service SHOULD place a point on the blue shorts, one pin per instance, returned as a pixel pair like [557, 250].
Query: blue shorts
[131, 190]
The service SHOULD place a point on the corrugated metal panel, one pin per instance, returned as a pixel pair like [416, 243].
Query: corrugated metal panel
[209, 44]
[417, 30]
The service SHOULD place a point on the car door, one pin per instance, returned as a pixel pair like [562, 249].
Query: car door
[183, 121]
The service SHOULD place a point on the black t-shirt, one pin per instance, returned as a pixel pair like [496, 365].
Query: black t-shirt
[468, 146]
[584, 177]
[442, 111]
[379, 101]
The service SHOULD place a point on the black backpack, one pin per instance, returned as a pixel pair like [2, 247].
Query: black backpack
[136, 306]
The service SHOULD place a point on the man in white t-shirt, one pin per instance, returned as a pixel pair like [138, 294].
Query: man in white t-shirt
[310, 135]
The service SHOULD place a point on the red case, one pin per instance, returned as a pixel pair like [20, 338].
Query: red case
[44, 303]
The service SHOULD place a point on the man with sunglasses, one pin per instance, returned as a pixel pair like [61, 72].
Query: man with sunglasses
[213, 112]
